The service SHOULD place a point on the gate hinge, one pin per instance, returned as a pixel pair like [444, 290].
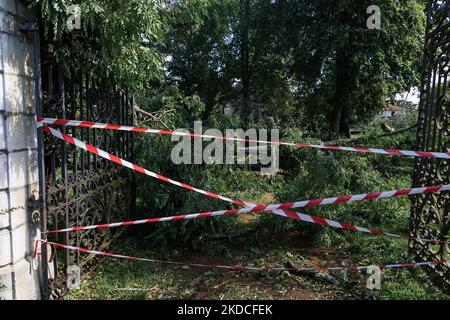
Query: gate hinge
[35, 204]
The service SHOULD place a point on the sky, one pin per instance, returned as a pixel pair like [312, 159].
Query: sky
[412, 96]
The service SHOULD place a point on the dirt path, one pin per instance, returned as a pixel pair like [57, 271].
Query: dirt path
[121, 279]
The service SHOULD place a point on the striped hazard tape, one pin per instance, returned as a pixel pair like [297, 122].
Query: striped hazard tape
[253, 207]
[98, 125]
[299, 217]
[279, 209]
[58, 134]
[97, 151]
[239, 267]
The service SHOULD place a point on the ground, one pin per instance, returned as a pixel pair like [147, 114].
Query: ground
[121, 279]
[143, 281]
[262, 246]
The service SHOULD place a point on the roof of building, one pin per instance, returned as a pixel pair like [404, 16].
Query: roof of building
[393, 107]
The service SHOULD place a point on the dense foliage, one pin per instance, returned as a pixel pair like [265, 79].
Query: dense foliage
[311, 68]
[312, 64]
[284, 64]
[117, 40]
[309, 64]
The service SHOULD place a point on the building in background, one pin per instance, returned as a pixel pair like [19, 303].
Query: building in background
[391, 109]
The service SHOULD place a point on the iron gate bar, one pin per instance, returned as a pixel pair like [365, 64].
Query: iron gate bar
[430, 215]
[41, 165]
[81, 188]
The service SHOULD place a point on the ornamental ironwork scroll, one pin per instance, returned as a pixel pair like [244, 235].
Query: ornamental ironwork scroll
[430, 215]
[83, 189]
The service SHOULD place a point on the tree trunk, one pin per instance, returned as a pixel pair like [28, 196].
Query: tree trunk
[245, 74]
[345, 78]
[344, 125]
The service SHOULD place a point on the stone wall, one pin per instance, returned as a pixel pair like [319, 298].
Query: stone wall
[18, 154]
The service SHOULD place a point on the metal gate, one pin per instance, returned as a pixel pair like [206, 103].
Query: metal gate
[81, 188]
[430, 215]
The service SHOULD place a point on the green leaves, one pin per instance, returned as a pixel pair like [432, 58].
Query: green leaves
[118, 39]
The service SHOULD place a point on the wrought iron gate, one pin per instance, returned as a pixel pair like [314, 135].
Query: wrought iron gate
[81, 188]
[430, 216]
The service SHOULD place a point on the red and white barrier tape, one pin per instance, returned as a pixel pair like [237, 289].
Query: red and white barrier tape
[251, 206]
[299, 217]
[278, 209]
[250, 268]
[97, 125]
[58, 134]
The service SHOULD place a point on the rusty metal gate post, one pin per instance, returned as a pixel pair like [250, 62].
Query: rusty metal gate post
[39, 204]
[430, 214]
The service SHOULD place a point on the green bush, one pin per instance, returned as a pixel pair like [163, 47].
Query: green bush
[322, 173]
[161, 199]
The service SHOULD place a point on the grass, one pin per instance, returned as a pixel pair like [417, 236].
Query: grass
[276, 242]
[397, 284]
[121, 279]
[134, 280]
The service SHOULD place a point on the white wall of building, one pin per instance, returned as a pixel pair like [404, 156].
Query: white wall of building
[18, 154]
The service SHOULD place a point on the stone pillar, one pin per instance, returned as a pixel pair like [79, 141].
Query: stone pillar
[18, 154]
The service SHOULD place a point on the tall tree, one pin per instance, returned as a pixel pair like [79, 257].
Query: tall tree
[245, 56]
[202, 50]
[295, 56]
[356, 67]
[118, 39]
